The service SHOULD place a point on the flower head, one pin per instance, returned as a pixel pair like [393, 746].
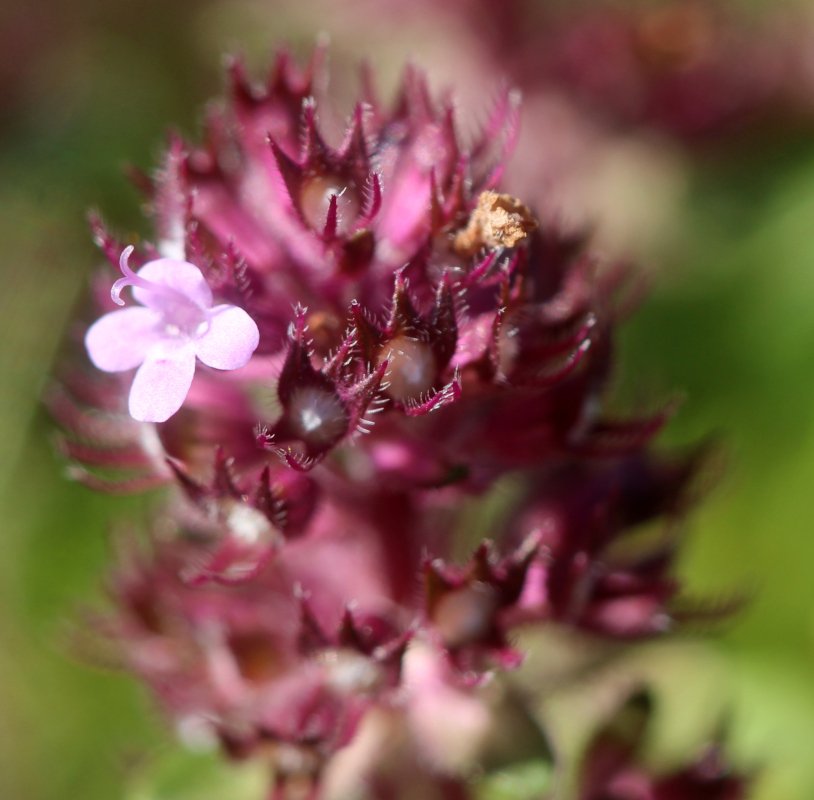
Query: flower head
[455, 338]
[175, 324]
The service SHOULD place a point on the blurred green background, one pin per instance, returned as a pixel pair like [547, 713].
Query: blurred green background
[88, 86]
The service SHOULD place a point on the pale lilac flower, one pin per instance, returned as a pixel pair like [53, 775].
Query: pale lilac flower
[175, 324]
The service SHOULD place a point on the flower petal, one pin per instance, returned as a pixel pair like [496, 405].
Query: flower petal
[120, 340]
[162, 382]
[231, 339]
[182, 276]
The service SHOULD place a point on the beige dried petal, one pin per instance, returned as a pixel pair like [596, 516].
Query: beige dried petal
[499, 220]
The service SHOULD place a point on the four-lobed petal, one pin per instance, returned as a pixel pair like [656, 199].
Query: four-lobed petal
[230, 340]
[183, 277]
[162, 382]
[120, 340]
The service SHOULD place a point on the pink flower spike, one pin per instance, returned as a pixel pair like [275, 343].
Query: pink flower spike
[175, 324]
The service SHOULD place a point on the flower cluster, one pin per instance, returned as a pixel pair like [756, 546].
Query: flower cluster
[383, 337]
